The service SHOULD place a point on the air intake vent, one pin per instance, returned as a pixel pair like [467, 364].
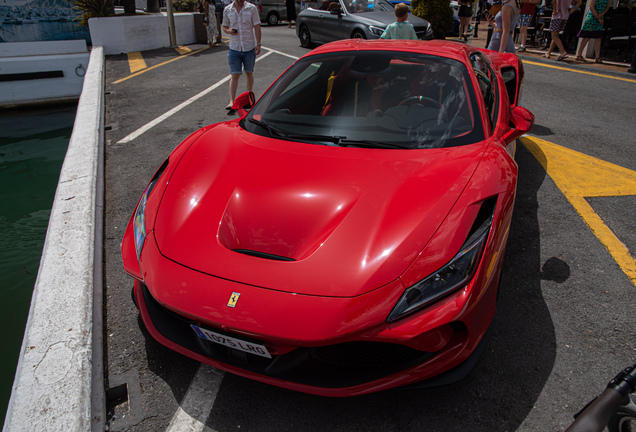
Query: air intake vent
[263, 255]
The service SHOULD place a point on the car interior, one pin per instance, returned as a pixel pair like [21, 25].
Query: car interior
[399, 97]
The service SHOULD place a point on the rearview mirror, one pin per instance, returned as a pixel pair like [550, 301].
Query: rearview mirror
[243, 103]
[523, 121]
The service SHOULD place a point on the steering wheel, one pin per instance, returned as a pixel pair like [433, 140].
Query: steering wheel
[424, 101]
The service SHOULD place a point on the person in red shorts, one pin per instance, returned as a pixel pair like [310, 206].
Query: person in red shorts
[527, 12]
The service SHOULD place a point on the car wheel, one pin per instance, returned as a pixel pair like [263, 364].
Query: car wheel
[272, 18]
[305, 37]
[358, 35]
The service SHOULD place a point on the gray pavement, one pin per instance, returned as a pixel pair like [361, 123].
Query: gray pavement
[564, 324]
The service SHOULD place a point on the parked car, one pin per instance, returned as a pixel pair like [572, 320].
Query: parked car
[364, 19]
[274, 11]
[347, 234]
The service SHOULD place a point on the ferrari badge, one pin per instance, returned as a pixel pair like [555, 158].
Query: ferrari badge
[233, 299]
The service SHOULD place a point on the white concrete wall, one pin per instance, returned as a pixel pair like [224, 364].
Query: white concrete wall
[21, 49]
[124, 34]
[52, 386]
[69, 87]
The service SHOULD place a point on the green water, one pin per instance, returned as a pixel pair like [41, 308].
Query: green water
[32, 148]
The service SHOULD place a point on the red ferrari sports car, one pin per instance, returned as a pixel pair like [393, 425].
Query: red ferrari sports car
[346, 234]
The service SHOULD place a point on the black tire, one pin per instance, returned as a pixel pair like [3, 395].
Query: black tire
[272, 19]
[624, 419]
[305, 37]
[358, 35]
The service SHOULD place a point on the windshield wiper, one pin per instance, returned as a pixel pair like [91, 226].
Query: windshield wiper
[310, 137]
[370, 144]
[270, 129]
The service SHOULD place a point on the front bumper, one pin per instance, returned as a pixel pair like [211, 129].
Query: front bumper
[370, 356]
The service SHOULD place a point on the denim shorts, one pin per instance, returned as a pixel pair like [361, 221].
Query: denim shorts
[240, 60]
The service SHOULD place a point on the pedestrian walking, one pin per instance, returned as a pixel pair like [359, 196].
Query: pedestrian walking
[560, 14]
[211, 26]
[242, 22]
[291, 11]
[528, 8]
[503, 25]
[593, 28]
[465, 13]
[400, 29]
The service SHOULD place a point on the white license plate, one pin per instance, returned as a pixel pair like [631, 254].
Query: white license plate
[241, 345]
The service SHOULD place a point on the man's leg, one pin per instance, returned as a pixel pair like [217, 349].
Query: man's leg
[234, 85]
[236, 68]
[250, 81]
[248, 61]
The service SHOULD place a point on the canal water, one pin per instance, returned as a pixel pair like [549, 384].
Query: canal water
[32, 148]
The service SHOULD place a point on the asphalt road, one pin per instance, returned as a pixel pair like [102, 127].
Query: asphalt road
[565, 321]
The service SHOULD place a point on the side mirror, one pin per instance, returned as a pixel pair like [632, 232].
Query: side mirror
[243, 103]
[336, 11]
[523, 121]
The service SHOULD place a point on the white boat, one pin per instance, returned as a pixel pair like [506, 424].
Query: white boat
[41, 72]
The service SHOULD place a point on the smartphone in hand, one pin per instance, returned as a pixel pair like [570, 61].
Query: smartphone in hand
[488, 15]
[234, 31]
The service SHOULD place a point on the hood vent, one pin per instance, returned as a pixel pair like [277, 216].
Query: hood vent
[263, 255]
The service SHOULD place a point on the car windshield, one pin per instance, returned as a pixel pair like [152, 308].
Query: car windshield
[361, 6]
[380, 99]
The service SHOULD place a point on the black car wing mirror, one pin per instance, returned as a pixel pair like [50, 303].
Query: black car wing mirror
[243, 103]
[336, 11]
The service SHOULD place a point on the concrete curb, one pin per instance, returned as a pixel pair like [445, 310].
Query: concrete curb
[53, 383]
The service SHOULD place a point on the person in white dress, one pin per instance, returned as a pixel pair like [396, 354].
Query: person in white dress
[211, 25]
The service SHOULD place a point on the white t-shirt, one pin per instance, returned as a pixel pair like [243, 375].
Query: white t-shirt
[244, 22]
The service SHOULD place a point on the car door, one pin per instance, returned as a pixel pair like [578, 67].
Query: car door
[334, 26]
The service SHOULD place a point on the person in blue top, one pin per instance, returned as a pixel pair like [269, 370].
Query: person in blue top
[400, 29]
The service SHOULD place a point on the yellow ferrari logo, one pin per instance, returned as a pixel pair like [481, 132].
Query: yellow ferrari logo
[233, 299]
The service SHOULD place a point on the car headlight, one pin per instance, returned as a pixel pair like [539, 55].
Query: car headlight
[376, 30]
[453, 275]
[139, 221]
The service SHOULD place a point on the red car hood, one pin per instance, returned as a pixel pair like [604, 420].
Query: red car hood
[351, 219]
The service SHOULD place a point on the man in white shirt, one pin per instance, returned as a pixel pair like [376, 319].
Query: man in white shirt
[242, 22]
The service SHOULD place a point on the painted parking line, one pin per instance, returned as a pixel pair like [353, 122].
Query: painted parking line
[181, 49]
[159, 65]
[578, 71]
[578, 176]
[198, 402]
[179, 107]
[136, 62]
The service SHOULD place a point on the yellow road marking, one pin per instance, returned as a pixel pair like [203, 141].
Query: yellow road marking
[160, 64]
[578, 176]
[136, 62]
[578, 71]
[183, 49]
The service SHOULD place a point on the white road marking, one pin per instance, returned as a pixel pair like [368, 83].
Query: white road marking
[198, 401]
[179, 107]
[282, 53]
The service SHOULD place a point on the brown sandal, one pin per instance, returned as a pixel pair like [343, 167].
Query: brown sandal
[579, 58]
[598, 60]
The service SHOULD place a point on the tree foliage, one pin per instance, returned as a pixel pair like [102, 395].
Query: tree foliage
[437, 12]
[185, 5]
[91, 8]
